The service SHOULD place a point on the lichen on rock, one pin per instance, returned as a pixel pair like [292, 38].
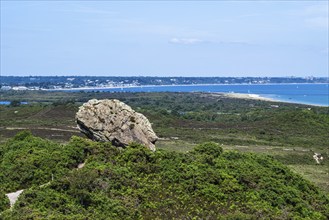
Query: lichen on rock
[114, 121]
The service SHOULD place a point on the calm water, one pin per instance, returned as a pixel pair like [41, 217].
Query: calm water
[8, 103]
[316, 94]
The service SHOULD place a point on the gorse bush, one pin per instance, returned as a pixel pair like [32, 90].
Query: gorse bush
[136, 183]
[4, 201]
[27, 161]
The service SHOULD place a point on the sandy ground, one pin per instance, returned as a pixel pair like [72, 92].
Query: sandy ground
[246, 96]
[258, 97]
[13, 197]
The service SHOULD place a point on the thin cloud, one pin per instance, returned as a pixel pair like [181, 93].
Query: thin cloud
[191, 41]
[185, 40]
[315, 10]
[235, 43]
[314, 16]
[317, 22]
[317, 16]
[89, 10]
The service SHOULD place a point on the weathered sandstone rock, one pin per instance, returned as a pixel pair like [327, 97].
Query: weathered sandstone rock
[114, 121]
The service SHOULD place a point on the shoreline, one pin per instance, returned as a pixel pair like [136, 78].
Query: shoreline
[147, 86]
[248, 96]
[193, 88]
[233, 95]
[262, 98]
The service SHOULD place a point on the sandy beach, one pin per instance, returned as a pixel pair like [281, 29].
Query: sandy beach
[258, 97]
[248, 96]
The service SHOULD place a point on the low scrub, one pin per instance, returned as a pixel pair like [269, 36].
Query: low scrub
[136, 183]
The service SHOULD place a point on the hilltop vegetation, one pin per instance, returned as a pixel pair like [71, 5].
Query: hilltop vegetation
[27, 161]
[135, 183]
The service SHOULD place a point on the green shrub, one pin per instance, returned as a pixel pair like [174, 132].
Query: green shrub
[4, 201]
[209, 148]
[31, 161]
[136, 183]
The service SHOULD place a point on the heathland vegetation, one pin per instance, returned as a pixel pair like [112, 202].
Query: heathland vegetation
[218, 157]
[136, 183]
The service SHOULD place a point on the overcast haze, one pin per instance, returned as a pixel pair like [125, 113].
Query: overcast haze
[224, 38]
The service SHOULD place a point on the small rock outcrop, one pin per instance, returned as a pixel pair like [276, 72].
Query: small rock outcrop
[114, 121]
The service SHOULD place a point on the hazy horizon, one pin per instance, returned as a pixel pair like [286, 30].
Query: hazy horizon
[174, 39]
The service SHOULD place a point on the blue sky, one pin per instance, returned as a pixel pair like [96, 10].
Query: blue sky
[222, 38]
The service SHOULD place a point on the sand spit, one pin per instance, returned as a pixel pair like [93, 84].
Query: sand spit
[247, 96]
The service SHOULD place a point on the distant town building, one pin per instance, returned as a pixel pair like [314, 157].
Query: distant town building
[20, 88]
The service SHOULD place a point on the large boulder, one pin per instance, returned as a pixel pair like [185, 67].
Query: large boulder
[114, 121]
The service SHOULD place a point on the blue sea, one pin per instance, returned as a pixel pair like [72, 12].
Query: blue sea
[314, 94]
[8, 103]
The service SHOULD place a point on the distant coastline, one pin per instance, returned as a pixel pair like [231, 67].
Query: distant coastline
[261, 98]
[173, 85]
[111, 82]
[309, 90]
[299, 93]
